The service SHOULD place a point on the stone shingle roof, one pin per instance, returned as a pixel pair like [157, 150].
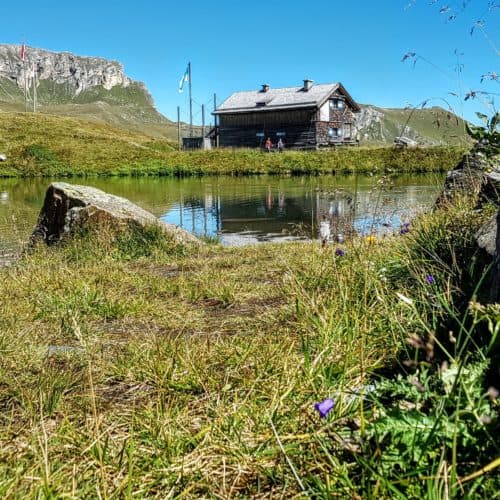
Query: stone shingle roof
[282, 98]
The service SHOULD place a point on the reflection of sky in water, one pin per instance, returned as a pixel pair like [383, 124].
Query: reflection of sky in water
[199, 220]
[277, 216]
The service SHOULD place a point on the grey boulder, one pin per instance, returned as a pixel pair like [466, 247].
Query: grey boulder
[488, 239]
[69, 207]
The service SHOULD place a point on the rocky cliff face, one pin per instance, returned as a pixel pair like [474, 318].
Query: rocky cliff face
[76, 73]
[366, 120]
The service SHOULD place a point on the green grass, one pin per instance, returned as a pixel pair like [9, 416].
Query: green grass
[44, 145]
[195, 370]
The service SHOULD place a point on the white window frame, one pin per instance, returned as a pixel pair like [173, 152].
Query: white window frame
[336, 103]
[335, 132]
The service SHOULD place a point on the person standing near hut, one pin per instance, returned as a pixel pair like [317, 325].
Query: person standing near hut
[268, 145]
[281, 146]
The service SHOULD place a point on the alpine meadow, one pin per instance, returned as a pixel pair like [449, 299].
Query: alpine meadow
[221, 278]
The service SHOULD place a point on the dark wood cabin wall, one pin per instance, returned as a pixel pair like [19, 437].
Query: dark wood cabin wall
[296, 136]
[240, 130]
[267, 118]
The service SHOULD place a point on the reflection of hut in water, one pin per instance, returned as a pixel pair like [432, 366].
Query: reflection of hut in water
[271, 213]
[338, 208]
[300, 215]
[200, 215]
[289, 211]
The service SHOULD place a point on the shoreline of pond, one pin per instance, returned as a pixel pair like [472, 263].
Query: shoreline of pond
[45, 162]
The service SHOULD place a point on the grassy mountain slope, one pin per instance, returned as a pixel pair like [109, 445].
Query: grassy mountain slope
[428, 126]
[127, 104]
[37, 143]
[98, 90]
[129, 107]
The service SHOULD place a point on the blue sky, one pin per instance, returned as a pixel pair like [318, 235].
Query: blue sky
[237, 45]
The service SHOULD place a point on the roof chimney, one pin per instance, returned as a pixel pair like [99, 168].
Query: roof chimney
[307, 85]
[265, 87]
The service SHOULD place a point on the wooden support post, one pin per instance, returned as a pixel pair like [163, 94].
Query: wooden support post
[190, 102]
[203, 121]
[179, 127]
[215, 123]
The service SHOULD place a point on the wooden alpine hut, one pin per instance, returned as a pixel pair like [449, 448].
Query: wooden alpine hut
[309, 116]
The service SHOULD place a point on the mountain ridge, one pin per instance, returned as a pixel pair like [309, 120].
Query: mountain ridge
[97, 89]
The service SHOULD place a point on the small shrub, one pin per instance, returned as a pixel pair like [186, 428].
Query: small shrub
[39, 153]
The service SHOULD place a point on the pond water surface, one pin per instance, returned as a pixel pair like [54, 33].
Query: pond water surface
[240, 210]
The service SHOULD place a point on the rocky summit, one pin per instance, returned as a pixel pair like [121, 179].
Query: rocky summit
[91, 88]
[63, 68]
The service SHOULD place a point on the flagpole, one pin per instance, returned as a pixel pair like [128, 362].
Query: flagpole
[23, 55]
[215, 122]
[190, 103]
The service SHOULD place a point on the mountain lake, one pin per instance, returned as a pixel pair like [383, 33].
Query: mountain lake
[244, 210]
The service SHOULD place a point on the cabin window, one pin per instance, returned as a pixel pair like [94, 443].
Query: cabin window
[334, 132]
[336, 103]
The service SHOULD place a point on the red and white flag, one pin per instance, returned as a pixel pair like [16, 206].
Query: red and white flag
[23, 52]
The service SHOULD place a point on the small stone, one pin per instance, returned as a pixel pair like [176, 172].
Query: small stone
[53, 350]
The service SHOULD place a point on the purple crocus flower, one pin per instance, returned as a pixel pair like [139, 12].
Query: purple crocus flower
[324, 407]
[339, 252]
[430, 279]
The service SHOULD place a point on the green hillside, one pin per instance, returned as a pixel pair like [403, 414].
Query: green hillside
[45, 145]
[39, 143]
[129, 107]
[429, 126]
[99, 91]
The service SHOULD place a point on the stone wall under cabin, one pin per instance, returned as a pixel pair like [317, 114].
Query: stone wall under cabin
[337, 118]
